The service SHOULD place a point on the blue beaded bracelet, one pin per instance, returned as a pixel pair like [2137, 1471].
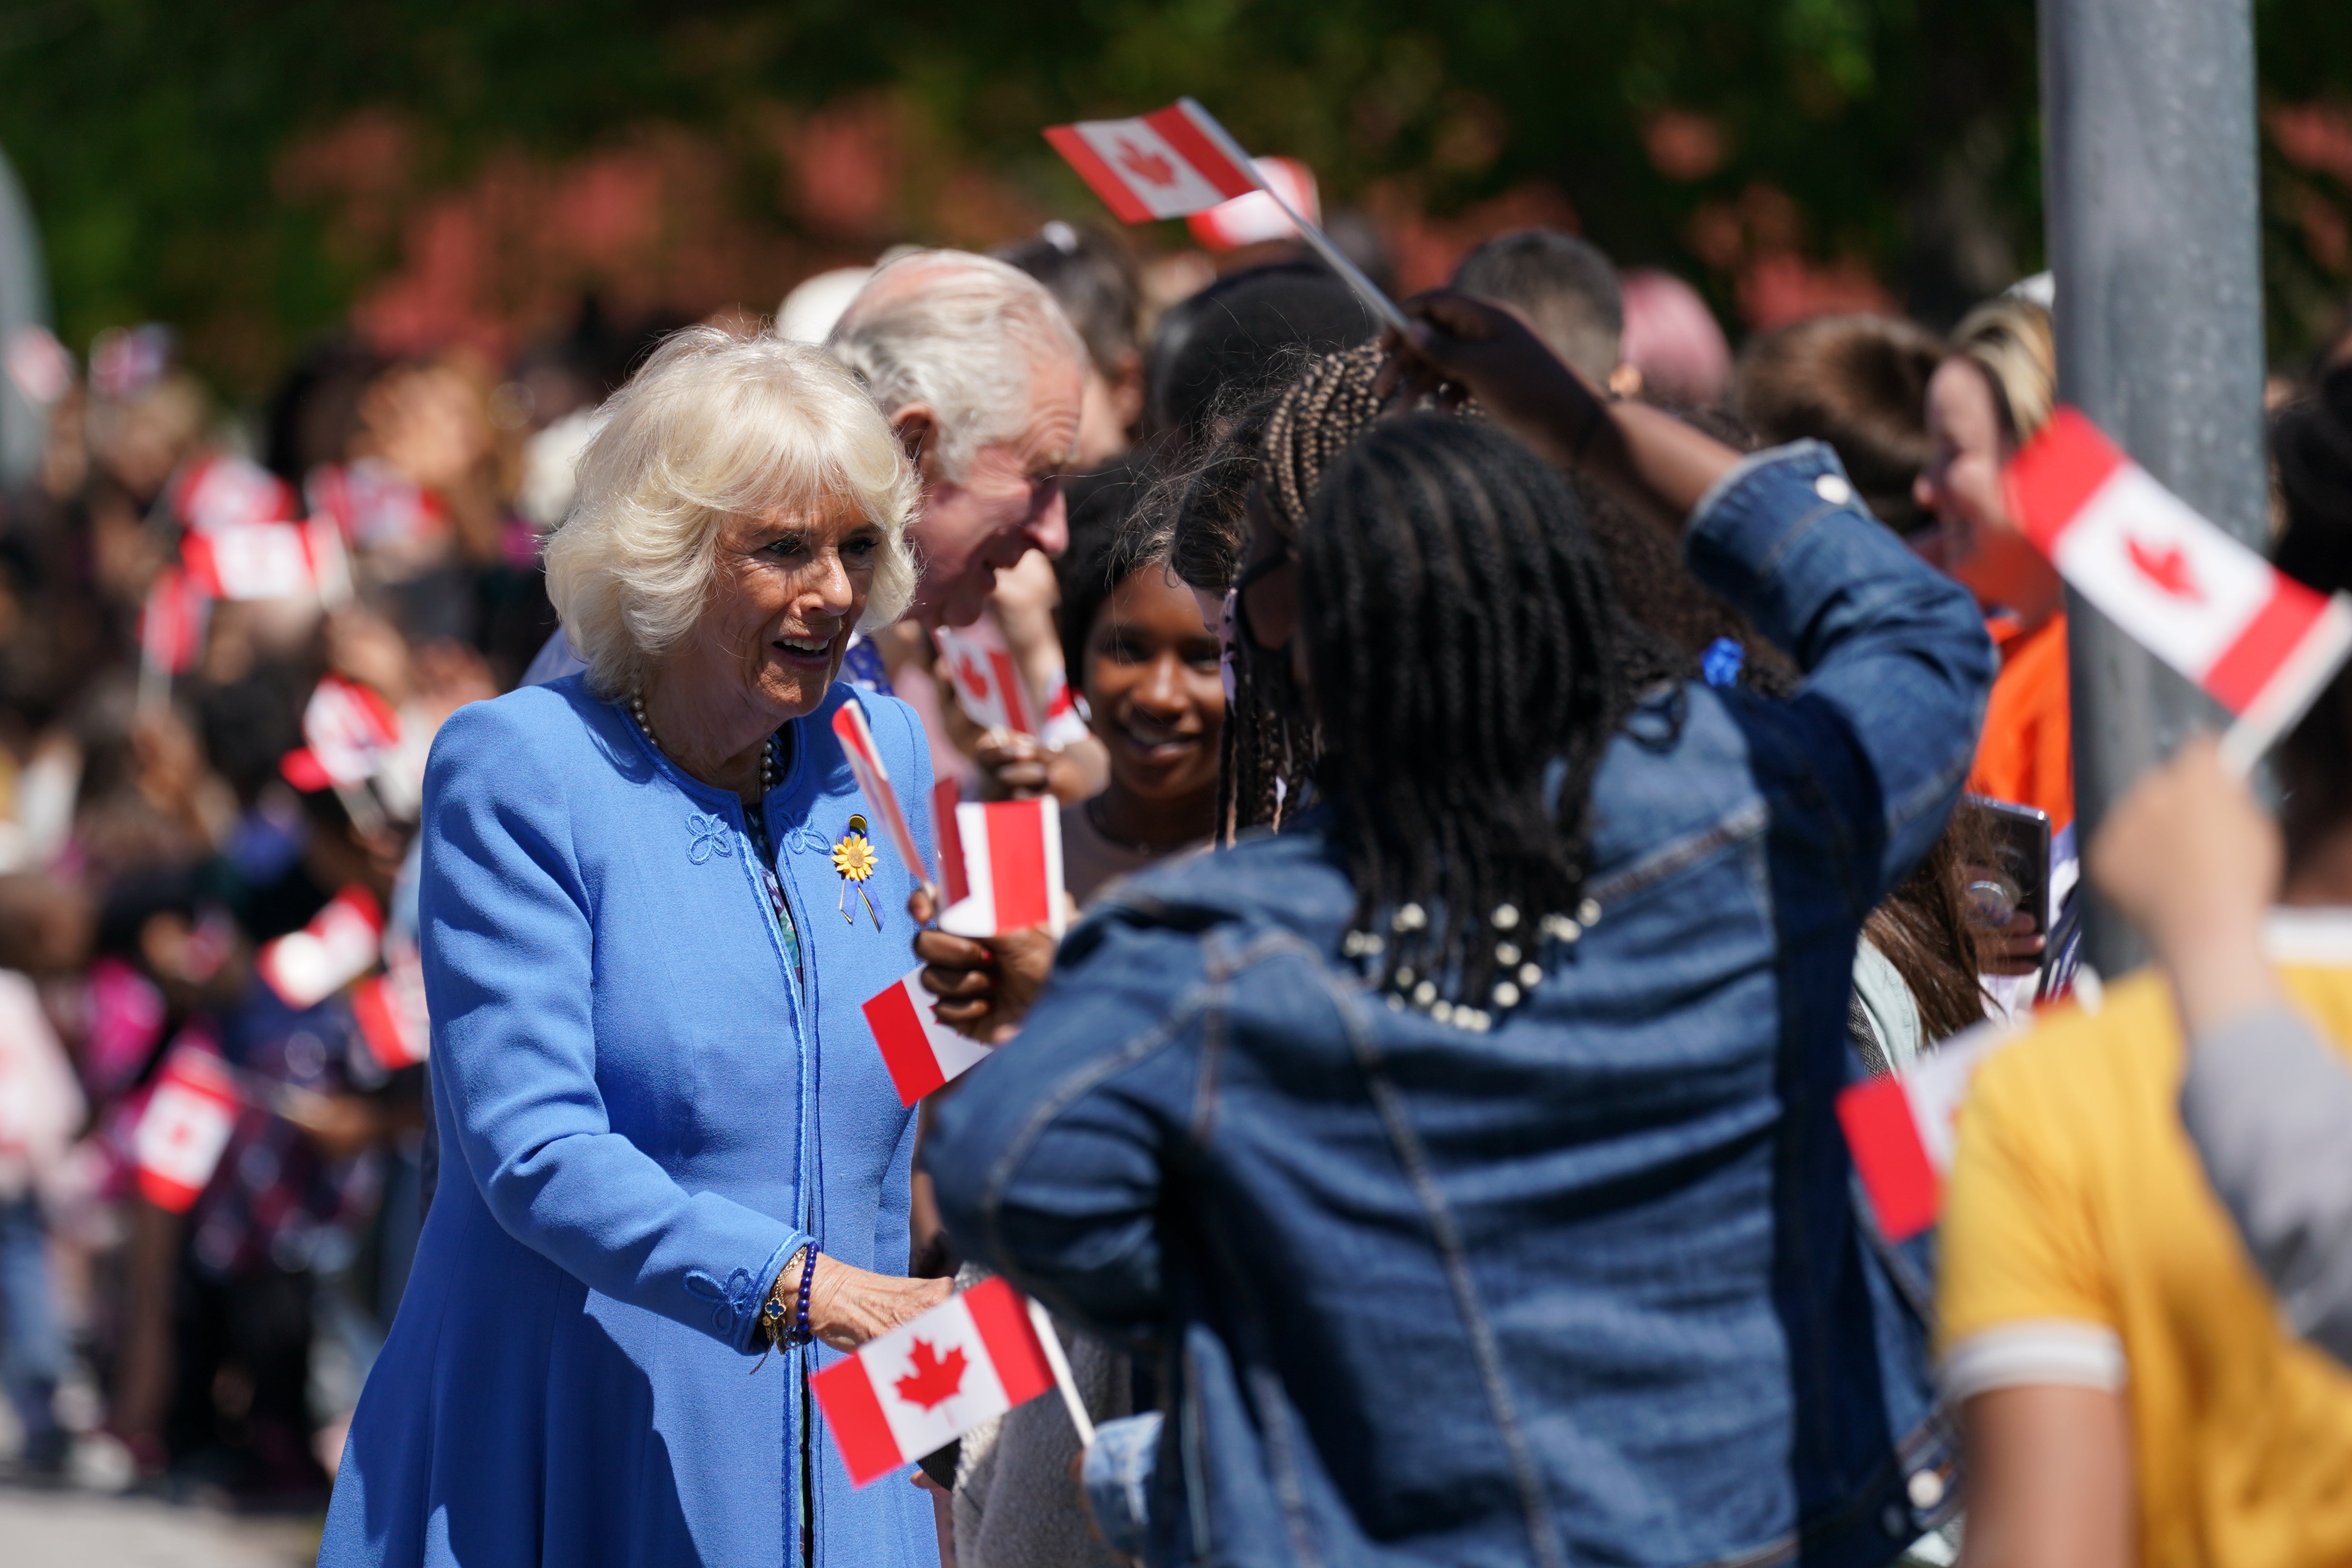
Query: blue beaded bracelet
[801, 1334]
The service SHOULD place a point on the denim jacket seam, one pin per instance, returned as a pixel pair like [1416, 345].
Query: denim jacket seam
[1718, 497]
[1543, 1531]
[1743, 821]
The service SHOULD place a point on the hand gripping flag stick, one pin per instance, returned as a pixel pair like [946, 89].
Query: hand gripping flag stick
[1178, 161]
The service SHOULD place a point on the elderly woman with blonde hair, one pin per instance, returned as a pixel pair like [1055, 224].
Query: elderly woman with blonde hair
[652, 904]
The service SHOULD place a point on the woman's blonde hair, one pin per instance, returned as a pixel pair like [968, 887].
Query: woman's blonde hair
[2011, 340]
[715, 426]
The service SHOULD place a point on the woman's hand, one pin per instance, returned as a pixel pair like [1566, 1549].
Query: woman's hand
[985, 989]
[849, 1305]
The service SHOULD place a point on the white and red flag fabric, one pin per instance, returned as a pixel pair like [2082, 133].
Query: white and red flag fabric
[1168, 163]
[349, 733]
[1902, 1129]
[946, 795]
[1065, 724]
[856, 738]
[1011, 868]
[184, 1128]
[2259, 642]
[171, 623]
[374, 505]
[988, 684]
[342, 942]
[268, 560]
[927, 1383]
[921, 1053]
[390, 1010]
[219, 492]
[1254, 218]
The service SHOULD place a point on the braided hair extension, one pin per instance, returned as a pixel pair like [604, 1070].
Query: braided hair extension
[1467, 654]
[1270, 747]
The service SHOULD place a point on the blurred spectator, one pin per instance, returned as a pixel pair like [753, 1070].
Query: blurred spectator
[1565, 287]
[1995, 390]
[1859, 382]
[2128, 1386]
[1094, 281]
[1238, 341]
[1673, 342]
[45, 929]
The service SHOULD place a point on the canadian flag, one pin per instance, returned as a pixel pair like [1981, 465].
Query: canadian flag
[218, 491]
[920, 1052]
[1011, 865]
[946, 795]
[349, 733]
[171, 623]
[1257, 217]
[1167, 164]
[341, 943]
[374, 505]
[1064, 725]
[1900, 1129]
[988, 684]
[268, 560]
[2259, 642]
[849, 727]
[390, 1011]
[925, 1384]
[184, 1128]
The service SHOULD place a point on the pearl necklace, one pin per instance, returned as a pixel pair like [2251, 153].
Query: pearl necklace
[767, 751]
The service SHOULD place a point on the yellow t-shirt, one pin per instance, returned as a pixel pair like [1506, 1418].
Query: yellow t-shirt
[2077, 1210]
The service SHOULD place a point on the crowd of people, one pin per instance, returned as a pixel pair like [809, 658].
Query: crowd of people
[1505, 793]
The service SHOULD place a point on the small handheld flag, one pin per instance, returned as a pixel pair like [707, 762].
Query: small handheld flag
[2260, 643]
[1901, 1130]
[184, 1128]
[865, 761]
[927, 1383]
[988, 684]
[946, 795]
[1012, 863]
[921, 1053]
[390, 1010]
[1178, 161]
[341, 943]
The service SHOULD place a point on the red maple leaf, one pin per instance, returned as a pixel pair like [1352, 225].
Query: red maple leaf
[932, 1379]
[2168, 569]
[974, 679]
[1147, 166]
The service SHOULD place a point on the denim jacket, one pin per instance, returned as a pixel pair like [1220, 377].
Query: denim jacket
[1593, 1287]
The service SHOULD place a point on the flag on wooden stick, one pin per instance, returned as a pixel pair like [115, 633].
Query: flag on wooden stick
[927, 1383]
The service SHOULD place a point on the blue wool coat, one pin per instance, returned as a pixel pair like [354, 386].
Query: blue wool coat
[644, 1113]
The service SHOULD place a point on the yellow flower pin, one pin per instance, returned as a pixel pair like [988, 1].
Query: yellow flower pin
[853, 856]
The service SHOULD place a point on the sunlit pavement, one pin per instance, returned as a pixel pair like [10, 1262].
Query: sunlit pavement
[67, 1529]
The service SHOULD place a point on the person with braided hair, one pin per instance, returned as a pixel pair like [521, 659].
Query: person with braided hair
[1465, 1152]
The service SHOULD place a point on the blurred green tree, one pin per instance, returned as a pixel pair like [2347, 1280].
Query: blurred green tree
[252, 172]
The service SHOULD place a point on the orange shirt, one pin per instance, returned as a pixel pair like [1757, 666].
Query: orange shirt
[2026, 754]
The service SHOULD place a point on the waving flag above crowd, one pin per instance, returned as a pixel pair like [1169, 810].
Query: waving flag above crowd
[2260, 643]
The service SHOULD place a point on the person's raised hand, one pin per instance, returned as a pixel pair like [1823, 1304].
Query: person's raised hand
[2190, 857]
[1457, 346]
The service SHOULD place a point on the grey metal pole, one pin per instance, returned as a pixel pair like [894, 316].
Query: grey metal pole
[24, 302]
[2148, 129]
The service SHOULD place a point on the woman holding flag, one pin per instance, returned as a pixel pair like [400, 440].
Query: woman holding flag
[651, 905]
